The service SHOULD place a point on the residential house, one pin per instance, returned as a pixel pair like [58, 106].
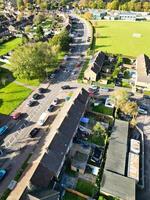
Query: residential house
[143, 72]
[95, 66]
[131, 16]
[119, 163]
[58, 143]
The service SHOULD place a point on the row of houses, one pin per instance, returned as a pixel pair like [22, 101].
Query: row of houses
[121, 171]
[142, 65]
[40, 182]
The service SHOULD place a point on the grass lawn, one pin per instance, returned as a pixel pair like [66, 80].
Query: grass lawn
[102, 109]
[85, 187]
[117, 37]
[34, 82]
[97, 139]
[11, 96]
[10, 45]
[70, 196]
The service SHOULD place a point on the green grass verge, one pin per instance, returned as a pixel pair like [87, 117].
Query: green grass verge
[85, 66]
[10, 45]
[111, 39]
[85, 187]
[70, 196]
[35, 82]
[12, 96]
[102, 109]
[147, 93]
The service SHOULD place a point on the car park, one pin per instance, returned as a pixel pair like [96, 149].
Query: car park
[65, 87]
[34, 132]
[142, 111]
[51, 108]
[36, 96]
[31, 103]
[2, 173]
[3, 129]
[16, 115]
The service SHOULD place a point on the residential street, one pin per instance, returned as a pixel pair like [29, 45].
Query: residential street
[18, 145]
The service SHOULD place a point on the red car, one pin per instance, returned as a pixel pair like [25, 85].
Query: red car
[16, 115]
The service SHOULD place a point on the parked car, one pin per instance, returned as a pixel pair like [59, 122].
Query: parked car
[43, 118]
[3, 129]
[36, 96]
[65, 87]
[118, 82]
[142, 111]
[51, 108]
[55, 102]
[42, 90]
[143, 106]
[34, 132]
[31, 103]
[2, 173]
[97, 155]
[16, 115]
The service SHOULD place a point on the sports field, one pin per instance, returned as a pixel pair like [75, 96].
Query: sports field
[122, 37]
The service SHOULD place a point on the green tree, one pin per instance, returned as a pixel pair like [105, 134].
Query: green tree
[62, 40]
[38, 18]
[32, 60]
[146, 6]
[119, 98]
[99, 129]
[39, 32]
[130, 108]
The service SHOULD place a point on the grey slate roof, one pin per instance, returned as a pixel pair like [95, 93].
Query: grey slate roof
[143, 68]
[98, 62]
[54, 157]
[117, 150]
[118, 186]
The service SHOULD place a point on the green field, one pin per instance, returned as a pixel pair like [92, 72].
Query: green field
[10, 45]
[11, 97]
[117, 37]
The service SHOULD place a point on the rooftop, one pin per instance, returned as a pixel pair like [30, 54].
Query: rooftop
[117, 150]
[133, 166]
[143, 68]
[118, 186]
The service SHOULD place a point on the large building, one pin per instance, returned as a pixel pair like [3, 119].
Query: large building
[121, 172]
[143, 72]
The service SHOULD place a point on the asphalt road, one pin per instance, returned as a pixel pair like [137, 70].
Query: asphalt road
[18, 145]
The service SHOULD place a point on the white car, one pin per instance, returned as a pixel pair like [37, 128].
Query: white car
[55, 102]
[142, 111]
[109, 103]
[43, 118]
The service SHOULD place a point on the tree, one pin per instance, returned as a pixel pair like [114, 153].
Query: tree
[38, 18]
[39, 32]
[119, 98]
[62, 40]
[32, 60]
[130, 108]
[146, 6]
[99, 129]
[88, 15]
[20, 3]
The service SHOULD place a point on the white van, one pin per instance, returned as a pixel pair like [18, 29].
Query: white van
[43, 118]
